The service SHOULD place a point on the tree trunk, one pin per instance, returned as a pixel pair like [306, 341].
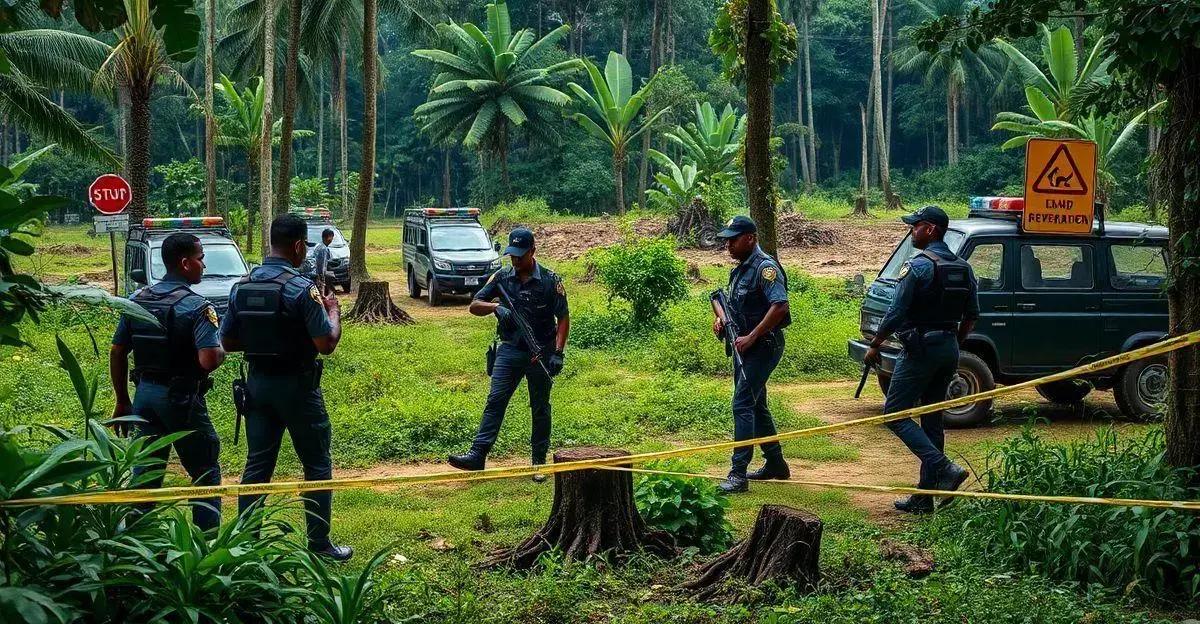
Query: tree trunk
[879, 10]
[644, 166]
[366, 176]
[760, 188]
[891, 71]
[374, 304]
[504, 181]
[1152, 132]
[619, 179]
[593, 513]
[1179, 184]
[283, 198]
[344, 139]
[952, 123]
[837, 151]
[784, 547]
[860, 202]
[210, 120]
[251, 194]
[266, 153]
[808, 102]
[321, 126]
[802, 140]
[447, 201]
[625, 32]
[138, 151]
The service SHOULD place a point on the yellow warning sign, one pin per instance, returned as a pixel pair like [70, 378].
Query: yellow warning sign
[1060, 186]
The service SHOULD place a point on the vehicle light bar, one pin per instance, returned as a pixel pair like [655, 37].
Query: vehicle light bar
[182, 222]
[312, 212]
[451, 212]
[1004, 204]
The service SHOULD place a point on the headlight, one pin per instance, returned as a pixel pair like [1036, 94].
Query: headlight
[441, 265]
[495, 264]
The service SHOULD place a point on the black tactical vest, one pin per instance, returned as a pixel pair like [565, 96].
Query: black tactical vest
[942, 306]
[751, 305]
[167, 350]
[272, 336]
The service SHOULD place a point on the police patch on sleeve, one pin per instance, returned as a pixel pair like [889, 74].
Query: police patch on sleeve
[314, 293]
[210, 313]
[493, 277]
[769, 274]
[904, 270]
[558, 287]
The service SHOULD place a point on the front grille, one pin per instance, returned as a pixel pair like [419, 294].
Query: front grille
[471, 269]
[333, 264]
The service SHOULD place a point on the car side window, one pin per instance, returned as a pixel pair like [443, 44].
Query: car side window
[987, 260]
[1051, 267]
[1137, 267]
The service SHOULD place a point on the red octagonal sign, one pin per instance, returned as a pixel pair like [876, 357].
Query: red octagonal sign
[110, 194]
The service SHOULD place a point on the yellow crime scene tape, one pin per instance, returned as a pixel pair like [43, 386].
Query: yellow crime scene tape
[296, 487]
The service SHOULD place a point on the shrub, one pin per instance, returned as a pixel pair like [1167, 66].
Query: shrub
[690, 509]
[597, 329]
[644, 272]
[520, 211]
[311, 193]
[1130, 549]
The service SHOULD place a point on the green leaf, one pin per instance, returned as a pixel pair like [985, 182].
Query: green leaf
[1040, 104]
[5, 66]
[16, 246]
[1062, 60]
[619, 77]
[94, 296]
[180, 26]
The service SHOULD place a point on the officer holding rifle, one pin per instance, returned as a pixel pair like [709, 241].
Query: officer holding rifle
[530, 306]
[757, 308]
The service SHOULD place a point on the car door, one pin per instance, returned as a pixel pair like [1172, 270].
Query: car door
[990, 259]
[1134, 298]
[1057, 320]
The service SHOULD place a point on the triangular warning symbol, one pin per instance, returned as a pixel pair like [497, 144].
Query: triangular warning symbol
[1061, 176]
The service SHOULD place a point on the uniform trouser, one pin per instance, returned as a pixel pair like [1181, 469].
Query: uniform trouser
[751, 416]
[170, 409]
[922, 380]
[512, 364]
[291, 402]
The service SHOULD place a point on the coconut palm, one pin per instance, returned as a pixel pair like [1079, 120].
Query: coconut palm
[711, 142]
[492, 83]
[617, 109]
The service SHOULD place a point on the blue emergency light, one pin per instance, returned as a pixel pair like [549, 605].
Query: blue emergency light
[176, 223]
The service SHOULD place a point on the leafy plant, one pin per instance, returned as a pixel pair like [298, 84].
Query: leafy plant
[311, 192]
[180, 190]
[342, 598]
[728, 40]
[676, 185]
[691, 509]
[645, 272]
[712, 142]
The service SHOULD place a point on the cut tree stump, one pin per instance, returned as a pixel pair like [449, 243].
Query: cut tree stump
[784, 547]
[593, 514]
[374, 305]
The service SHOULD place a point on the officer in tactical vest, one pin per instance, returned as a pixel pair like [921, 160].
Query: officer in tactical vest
[279, 319]
[933, 312]
[171, 363]
[538, 296]
[758, 302]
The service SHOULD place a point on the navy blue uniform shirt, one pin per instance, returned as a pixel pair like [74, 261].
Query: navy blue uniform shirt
[542, 300]
[916, 280]
[301, 300]
[756, 284]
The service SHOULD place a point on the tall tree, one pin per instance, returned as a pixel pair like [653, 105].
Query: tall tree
[283, 196]
[210, 120]
[266, 155]
[366, 176]
[879, 10]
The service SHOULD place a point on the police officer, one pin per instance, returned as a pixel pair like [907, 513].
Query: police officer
[171, 363]
[759, 305]
[539, 297]
[933, 312]
[318, 262]
[280, 320]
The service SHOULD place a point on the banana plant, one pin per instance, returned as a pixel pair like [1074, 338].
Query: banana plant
[712, 142]
[616, 110]
[676, 185]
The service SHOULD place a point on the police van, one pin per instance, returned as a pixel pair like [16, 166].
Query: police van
[319, 220]
[1047, 303]
[224, 264]
[446, 251]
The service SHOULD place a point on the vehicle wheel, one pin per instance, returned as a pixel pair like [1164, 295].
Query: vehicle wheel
[973, 376]
[435, 293]
[1141, 388]
[707, 238]
[346, 288]
[885, 381]
[1066, 392]
[414, 289]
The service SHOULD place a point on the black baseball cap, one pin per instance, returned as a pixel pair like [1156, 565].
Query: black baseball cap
[932, 214]
[737, 226]
[520, 241]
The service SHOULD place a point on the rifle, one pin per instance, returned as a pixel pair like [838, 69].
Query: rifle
[862, 381]
[241, 397]
[523, 326]
[729, 330]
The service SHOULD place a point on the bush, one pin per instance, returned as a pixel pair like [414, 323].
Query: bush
[520, 211]
[598, 329]
[690, 509]
[644, 272]
[1129, 549]
[311, 193]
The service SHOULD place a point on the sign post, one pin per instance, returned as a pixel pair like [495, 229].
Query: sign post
[1060, 187]
[110, 195]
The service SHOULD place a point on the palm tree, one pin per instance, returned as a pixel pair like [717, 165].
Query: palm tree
[210, 120]
[617, 109]
[491, 83]
[958, 67]
[712, 142]
[366, 176]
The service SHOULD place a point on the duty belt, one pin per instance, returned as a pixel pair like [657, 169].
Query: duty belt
[202, 384]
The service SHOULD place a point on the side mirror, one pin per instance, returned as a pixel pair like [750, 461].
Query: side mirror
[496, 246]
[138, 276]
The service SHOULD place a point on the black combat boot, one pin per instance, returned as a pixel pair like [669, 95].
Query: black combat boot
[950, 480]
[775, 468]
[539, 461]
[474, 459]
[915, 504]
[735, 484]
[336, 553]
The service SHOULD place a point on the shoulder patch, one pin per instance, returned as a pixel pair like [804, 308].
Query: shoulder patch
[769, 273]
[314, 293]
[904, 270]
[558, 286]
[210, 313]
[493, 277]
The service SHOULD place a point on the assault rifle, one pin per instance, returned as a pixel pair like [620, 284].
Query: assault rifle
[729, 328]
[862, 381]
[241, 401]
[535, 348]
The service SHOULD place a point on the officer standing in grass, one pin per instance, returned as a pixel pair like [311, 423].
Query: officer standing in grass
[171, 363]
[538, 294]
[759, 305]
[933, 312]
[280, 320]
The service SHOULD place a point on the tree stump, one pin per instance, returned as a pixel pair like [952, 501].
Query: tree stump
[593, 513]
[784, 547]
[374, 305]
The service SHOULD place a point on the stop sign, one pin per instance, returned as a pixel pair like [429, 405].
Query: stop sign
[110, 194]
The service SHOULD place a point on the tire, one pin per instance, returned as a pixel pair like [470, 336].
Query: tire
[1141, 388]
[973, 376]
[414, 289]
[434, 293]
[1065, 392]
[707, 238]
[346, 288]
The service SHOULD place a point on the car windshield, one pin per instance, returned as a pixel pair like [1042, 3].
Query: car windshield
[314, 235]
[458, 238]
[905, 252]
[220, 260]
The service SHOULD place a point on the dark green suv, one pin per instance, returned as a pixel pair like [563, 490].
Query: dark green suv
[1047, 304]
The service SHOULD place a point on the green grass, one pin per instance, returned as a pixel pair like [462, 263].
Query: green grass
[825, 208]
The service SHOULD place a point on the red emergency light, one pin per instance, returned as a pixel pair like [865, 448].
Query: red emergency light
[175, 223]
[451, 212]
